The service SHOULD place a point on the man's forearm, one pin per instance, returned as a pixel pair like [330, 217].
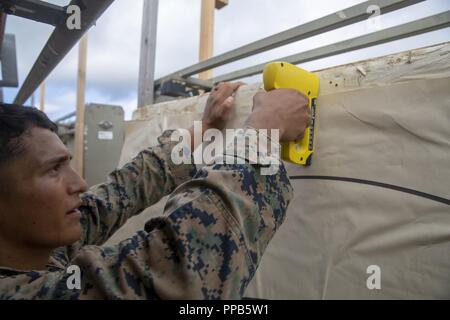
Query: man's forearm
[137, 185]
[207, 244]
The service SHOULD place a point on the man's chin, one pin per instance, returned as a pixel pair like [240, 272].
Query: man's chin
[72, 235]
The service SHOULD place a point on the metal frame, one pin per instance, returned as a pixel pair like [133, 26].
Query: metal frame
[410, 29]
[147, 52]
[62, 39]
[59, 44]
[35, 10]
[8, 60]
[65, 117]
[330, 22]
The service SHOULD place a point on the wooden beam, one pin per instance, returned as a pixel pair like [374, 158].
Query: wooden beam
[207, 35]
[207, 32]
[42, 96]
[79, 124]
[147, 54]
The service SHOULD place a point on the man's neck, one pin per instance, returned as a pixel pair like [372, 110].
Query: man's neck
[23, 258]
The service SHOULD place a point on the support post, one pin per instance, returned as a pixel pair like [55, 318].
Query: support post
[207, 32]
[147, 54]
[42, 96]
[206, 35]
[79, 124]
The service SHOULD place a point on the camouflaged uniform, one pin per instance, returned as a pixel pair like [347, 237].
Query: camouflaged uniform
[208, 243]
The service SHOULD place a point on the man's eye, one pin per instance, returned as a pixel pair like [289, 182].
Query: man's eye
[56, 168]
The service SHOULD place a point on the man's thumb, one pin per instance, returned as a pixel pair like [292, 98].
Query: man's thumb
[228, 102]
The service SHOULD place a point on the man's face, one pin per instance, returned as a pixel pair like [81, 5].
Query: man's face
[39, 194]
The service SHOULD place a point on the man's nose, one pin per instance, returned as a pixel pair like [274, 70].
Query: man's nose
[78, 184]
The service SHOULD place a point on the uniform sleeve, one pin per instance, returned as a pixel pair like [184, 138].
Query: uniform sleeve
[207, 244]
[140, 183]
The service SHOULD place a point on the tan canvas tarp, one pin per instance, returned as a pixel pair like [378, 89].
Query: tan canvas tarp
[377, 192]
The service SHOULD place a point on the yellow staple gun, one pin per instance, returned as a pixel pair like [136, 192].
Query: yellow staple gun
[285, 75]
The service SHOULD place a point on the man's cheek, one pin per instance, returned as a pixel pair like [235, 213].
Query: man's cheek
[46, 221]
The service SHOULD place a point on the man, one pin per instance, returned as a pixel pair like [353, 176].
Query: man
[207, 245]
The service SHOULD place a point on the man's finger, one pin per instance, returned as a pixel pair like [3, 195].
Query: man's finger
[236, 85]
[228, 103]
[227, 89]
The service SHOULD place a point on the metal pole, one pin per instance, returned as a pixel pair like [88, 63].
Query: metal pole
[148, 51]
[36, 10]
[2, 28]
[59, 44]
[42, 96]
[65, 117]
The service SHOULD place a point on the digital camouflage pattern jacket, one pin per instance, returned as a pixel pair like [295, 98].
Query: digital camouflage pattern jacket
[208, 243]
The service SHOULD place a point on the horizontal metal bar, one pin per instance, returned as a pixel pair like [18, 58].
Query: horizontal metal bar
[69, 132]
[410, 29]
[330, 22]
[68, 125]
[67, 116]
[190, 82]
[59, 44]
[199, 83]
[35, 10]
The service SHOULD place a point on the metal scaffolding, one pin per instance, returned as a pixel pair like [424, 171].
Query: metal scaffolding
[35, 10]
[62, 38]
[410, 29]
[330, 22]
[181, 82]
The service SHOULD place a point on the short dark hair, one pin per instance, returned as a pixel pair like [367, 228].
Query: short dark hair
[15, 120]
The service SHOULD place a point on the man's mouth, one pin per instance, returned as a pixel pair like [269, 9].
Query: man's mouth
[75, 211]
[74, 214]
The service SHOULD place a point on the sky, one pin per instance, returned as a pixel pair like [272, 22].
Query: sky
[114, 43]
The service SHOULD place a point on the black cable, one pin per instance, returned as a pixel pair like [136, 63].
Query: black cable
[377, 184]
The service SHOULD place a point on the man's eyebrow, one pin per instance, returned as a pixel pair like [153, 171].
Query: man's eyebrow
[59, 159]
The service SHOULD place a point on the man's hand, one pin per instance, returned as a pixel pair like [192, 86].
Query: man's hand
[219, 105]
[218, 108]
[283, 109]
